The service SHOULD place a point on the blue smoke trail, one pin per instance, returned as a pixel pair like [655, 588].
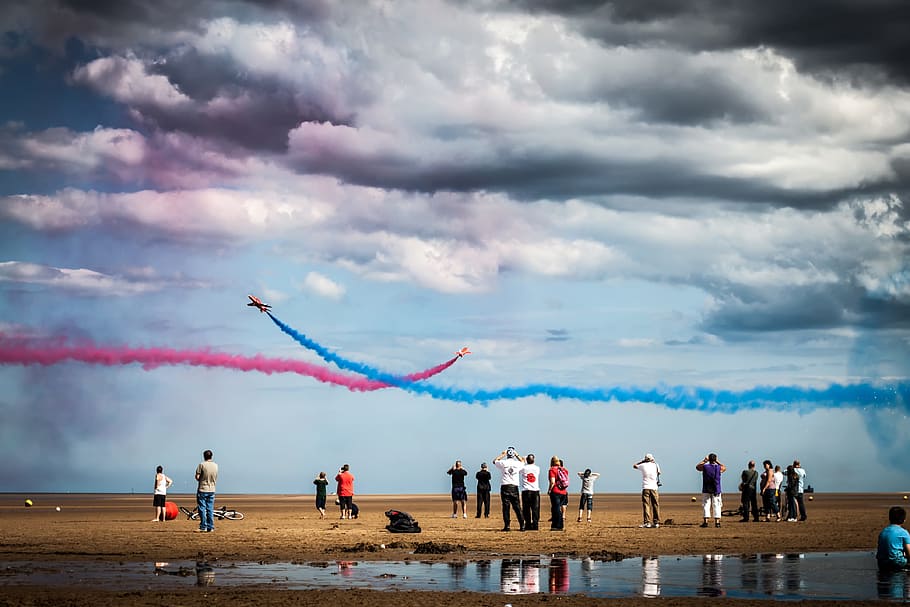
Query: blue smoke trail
[331, 357]
[781, 398]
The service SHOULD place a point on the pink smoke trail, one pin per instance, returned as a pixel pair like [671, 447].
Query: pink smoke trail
[24, 351]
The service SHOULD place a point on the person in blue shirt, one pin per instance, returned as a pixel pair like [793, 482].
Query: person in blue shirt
[894, 542]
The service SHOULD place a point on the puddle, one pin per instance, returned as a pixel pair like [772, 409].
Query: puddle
[841, 575]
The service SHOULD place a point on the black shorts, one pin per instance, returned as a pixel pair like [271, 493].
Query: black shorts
[159, 500]
[320, 502]
[345, 501]
[459, 494]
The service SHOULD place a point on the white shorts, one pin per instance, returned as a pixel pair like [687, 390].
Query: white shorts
[711, 502]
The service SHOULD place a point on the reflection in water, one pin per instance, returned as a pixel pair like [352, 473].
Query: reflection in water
[748, 575]
[792, 579]
[559, 576]
[510, 576]
[530, 576]
[483, 572]
[346, 568]
[205, 574]
[650, 576]
[712, 575]
[832, 576]
[588, 577]
[893, 585]
[457, 570]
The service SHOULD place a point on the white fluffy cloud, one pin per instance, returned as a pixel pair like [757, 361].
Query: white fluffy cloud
[323, 286]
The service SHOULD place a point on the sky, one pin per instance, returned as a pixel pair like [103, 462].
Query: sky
[687, 222]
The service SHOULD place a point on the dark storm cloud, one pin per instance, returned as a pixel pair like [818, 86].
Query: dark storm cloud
[859, 38]
[269, 108]
[543, 174]
[804, 308]
[110, 23]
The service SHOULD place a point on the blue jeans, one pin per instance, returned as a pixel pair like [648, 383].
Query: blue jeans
[205, 501]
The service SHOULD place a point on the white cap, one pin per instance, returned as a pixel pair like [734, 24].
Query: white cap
[649, 457]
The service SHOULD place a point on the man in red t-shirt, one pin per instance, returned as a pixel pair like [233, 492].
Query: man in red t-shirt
[345, 491]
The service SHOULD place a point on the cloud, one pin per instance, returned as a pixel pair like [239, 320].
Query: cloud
[822, 37]
[773, 270]
[85, 282]
[320, 285]
[558, 335]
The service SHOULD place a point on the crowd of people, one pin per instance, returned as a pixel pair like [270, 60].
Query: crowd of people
[520, 489]
[782, 496]
[781, 493]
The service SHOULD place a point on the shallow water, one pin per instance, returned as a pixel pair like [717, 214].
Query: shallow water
[841, 575]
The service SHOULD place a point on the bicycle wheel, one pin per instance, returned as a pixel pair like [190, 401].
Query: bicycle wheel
[190, 514]
[233, 515]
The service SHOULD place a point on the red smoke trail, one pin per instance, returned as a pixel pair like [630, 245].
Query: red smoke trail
[24, 351]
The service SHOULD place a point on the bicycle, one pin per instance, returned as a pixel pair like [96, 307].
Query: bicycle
[220, 513]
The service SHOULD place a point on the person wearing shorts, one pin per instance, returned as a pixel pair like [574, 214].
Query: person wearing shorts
[162, 482]
[459, 490]
[586, 503]
[345, 491]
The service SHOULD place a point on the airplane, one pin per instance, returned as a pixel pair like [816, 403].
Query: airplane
[463, 352]
[255, 302]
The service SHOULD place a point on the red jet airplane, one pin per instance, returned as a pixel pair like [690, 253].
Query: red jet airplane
[463, 352]
[255, 302]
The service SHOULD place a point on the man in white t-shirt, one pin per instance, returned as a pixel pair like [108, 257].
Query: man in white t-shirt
[510, 465]
[650, 499]
[530, 493]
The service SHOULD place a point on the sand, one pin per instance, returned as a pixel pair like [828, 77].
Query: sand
[284, 528]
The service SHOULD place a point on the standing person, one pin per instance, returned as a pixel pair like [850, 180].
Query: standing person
[778, 481]
[789, 481]
[564, 502]
[484, 486]
[711, 492]
[650, 499]
[345, 491]
[206, 477]
[530, 493]
[459, 491]
[894, 542]
[783, 479]
[558, 491]
[162, 482]
[800, 487]
[747, 487]
[510, 465]
[321, 483]
[769, 491]
[586, 501]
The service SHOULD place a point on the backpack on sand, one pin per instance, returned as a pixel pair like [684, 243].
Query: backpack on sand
[401, 522]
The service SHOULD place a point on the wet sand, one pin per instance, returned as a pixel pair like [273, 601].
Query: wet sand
[285, 528]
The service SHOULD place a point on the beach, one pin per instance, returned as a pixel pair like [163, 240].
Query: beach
[287, 528]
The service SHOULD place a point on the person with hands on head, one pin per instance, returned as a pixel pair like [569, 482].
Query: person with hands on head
[510, 465]
[459, 491]
[650, 484]
[711, 492]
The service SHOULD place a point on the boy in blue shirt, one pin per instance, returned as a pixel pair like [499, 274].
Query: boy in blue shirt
[894, 542]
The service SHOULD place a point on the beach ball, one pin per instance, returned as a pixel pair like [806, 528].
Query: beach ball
[170, 511]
